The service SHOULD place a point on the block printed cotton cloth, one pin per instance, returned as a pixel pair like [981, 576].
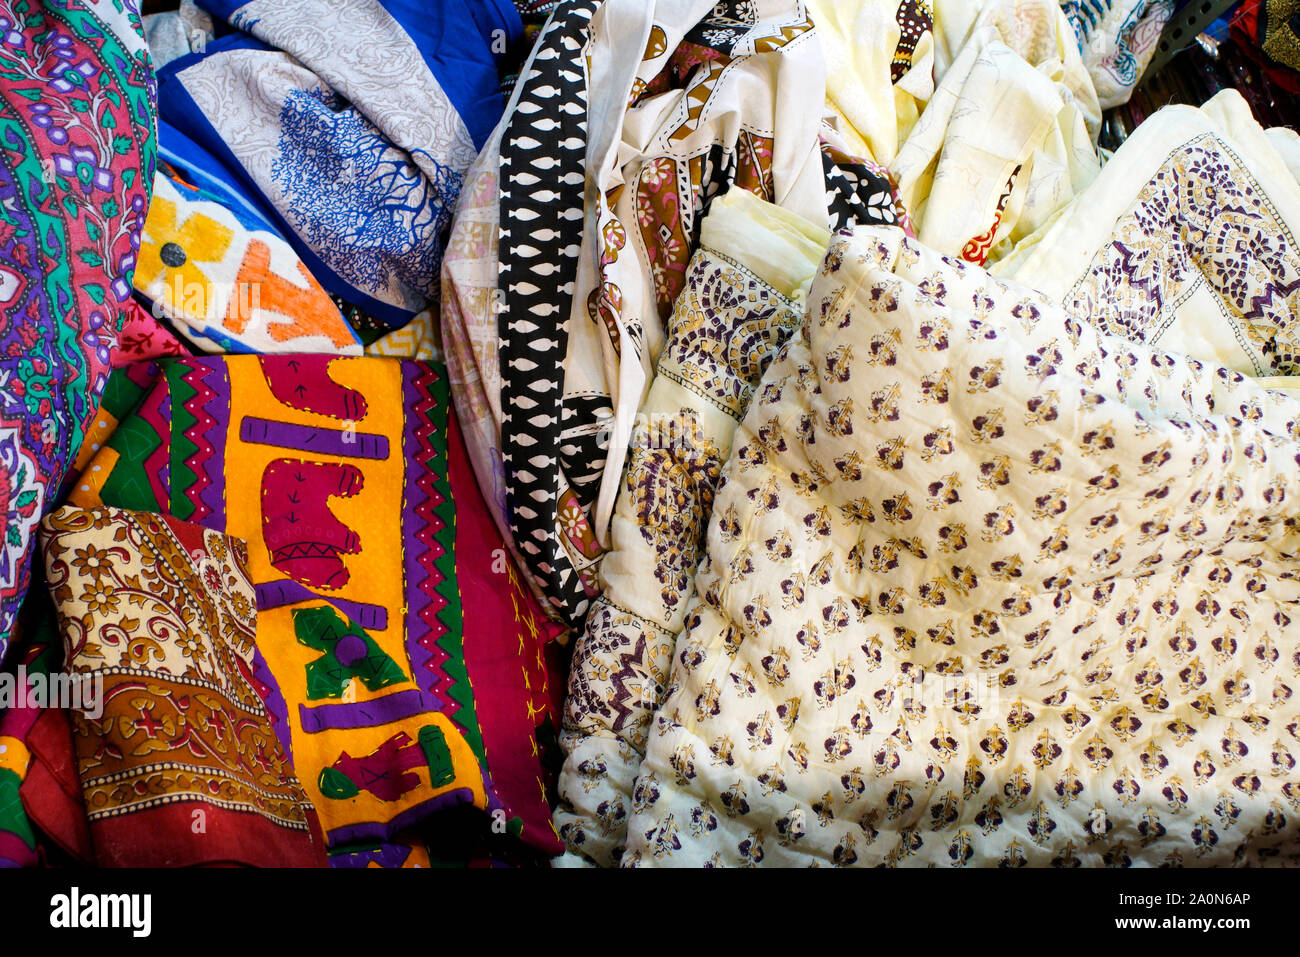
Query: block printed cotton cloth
[1186, 239]
[985, 586]
[743, 298]
[163, 612]
[651, 110]
[879, 69]
[406, 667]
[1009, 135]
[76, 166]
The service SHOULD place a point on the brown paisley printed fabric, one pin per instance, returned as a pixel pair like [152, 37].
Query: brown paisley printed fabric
[630, 121]
[985, 586]
[162, 612]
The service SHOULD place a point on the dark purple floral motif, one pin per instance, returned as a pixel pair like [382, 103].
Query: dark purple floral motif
[74, 77]
[1201, 218]
[41, 117]
[81, 163]
[10, 35]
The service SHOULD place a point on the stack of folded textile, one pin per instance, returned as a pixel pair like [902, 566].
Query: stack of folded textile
[288, 630]
[611, 432]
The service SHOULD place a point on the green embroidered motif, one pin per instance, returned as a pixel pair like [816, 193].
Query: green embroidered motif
[434, 745]
[348, 653]
[333, 783]
[452, 642]
[183, 449]
[128, 485]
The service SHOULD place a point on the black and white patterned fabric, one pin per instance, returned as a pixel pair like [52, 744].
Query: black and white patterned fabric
[543, 154]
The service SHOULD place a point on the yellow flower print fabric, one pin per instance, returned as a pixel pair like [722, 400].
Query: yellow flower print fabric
[229, 287]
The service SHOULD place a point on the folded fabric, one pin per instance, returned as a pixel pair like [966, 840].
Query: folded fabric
[228, 285]
[76, 167]
[627, 121]
[1185, 241]
[42, 813]
[418, 339]
[178, 761]
[984, 587]
[353, 121]
[1009, 135]
[175, 33]
[18, 835]
[879, 69]
[17, 840]
[410, 670]
[743, 298]
[1287, 143]
[1117, 39]
[403, 852]
[1247, 32]
[51, 792]
[143, 337]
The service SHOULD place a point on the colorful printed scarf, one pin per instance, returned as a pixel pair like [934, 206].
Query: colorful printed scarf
[1117, 38]
[222, 274]
[352, 122]
[76, 167]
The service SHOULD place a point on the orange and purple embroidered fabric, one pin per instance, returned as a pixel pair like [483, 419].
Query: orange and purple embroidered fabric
[406, 667]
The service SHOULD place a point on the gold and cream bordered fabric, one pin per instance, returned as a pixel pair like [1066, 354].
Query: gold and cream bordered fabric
[164, 613]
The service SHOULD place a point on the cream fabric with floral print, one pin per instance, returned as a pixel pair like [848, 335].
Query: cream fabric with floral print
[985, 586]
[1186, 240]
[743, 298]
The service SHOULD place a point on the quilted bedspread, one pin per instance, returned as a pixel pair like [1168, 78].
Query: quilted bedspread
[985, 586]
